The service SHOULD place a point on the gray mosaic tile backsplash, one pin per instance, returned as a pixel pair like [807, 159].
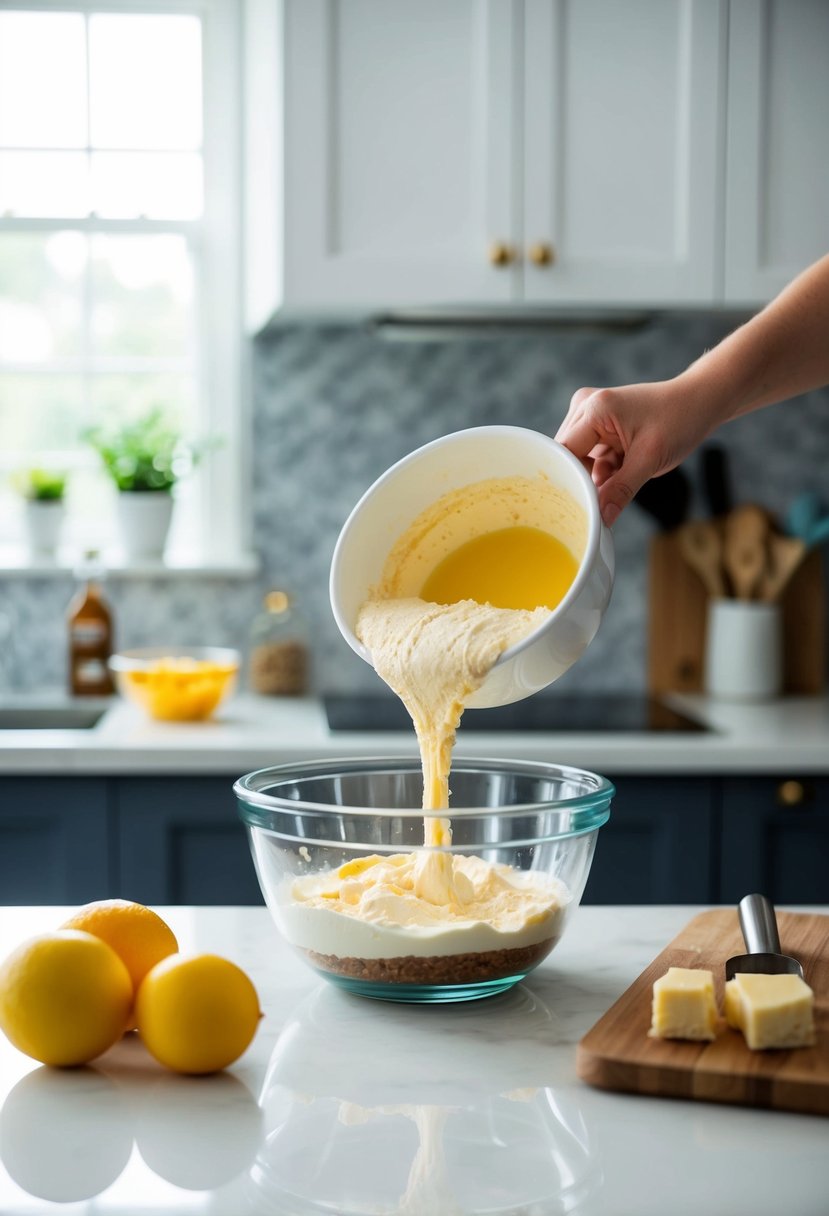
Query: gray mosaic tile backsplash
[334, 407]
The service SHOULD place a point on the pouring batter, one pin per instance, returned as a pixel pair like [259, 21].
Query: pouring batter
[430, 915]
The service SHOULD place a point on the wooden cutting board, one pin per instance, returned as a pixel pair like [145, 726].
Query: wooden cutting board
[617, 1053]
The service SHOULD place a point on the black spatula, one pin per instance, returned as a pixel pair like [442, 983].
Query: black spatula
[666, 498]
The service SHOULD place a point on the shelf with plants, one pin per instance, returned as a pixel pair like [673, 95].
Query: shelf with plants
[145, 458]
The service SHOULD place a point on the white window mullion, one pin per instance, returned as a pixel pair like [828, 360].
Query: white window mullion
[114, 365]
[86, 323]
[225, 482]
[115, 227]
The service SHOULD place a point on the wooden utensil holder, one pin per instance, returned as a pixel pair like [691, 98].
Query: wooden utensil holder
[677, 610]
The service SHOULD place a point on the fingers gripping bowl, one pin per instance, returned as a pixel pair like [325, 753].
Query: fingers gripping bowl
[337, 847]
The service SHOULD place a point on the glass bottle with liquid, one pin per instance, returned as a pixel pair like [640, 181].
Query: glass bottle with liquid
[91, 634]
[278, 665]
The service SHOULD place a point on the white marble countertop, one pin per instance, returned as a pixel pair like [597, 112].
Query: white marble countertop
[344, 1105]
[787, 736]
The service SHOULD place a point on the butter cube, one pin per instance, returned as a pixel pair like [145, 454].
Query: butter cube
[771, 1010]
[684, 1006]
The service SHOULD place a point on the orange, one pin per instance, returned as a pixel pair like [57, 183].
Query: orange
[64, 997]
[138, 935]
[197, 1013]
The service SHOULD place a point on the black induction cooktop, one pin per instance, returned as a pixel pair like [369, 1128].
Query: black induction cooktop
[580, 713]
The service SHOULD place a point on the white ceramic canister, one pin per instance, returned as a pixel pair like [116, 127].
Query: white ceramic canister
[743, 650]
[461, 459]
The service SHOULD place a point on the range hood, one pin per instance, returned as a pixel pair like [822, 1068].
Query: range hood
[438, 325]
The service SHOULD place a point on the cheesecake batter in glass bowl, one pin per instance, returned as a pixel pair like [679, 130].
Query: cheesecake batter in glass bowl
[339, 852]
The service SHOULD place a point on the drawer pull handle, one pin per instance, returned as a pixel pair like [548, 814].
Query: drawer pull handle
[791, 793]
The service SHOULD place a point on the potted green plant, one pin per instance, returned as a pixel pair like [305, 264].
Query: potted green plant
[145, 457]
[43, 491]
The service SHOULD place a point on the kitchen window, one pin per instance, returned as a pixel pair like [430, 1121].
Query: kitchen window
[119, 262]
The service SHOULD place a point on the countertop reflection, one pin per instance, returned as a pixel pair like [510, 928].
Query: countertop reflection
[345, 1106]
[409, 1110]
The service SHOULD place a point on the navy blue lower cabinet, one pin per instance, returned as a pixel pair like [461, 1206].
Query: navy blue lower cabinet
[657, 847]
[181, 842]
[54, 840]
[775, 838]
[178, 840]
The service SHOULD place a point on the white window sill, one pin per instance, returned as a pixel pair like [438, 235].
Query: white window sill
[15, 563]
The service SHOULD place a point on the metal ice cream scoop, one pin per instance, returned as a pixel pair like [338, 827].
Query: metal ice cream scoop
[759, 926]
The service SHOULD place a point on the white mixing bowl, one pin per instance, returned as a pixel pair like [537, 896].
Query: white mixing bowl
[406, 489]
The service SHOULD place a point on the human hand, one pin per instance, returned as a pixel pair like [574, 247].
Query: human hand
[627, 435]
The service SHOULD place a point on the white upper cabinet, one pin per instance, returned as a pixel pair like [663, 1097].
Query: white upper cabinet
[622, 122]
[399, 156]
[420, 153]
[777, 185]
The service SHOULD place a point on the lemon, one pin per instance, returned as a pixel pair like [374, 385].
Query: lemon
[138, 935]
[196, 1013]
[65, 997]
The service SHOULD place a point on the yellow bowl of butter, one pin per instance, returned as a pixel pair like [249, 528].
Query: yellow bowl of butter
[176, 684]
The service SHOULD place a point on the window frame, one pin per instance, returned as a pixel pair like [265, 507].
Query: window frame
[222, 483]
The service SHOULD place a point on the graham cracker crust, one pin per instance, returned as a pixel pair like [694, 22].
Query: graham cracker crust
[436, 969]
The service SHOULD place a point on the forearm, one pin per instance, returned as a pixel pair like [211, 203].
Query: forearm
[781, 352]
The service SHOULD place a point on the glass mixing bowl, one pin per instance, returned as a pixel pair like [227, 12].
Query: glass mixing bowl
[528, 829]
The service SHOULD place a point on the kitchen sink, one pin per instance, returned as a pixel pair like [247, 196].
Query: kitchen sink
[58, 717]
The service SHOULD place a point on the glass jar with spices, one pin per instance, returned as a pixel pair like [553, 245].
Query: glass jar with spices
[278, 665]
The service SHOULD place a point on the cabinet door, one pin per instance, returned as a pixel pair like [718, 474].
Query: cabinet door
[777, 179]
[180, 842]
[54, 843]
[656, 847]
[776, 839]
[399, 151]
[623, 121]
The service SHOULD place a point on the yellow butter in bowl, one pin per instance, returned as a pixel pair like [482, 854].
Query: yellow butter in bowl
[176, 685]
[516, 567]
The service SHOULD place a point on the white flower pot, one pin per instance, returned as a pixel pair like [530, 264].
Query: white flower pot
[43, 524]
[144, 519]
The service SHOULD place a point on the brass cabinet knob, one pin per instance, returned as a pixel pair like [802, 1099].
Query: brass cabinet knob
[791, 793]
[500, 254]
[541, 254]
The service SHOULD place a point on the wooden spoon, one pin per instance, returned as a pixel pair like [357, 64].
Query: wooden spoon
[745, 554]
[699, 544]
[785, 555]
